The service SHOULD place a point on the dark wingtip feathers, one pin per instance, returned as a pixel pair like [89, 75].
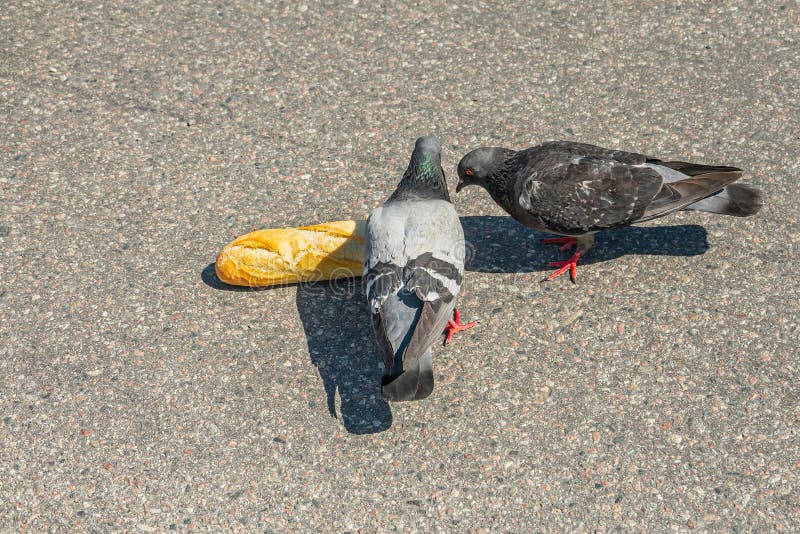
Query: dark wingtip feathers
[695, 169]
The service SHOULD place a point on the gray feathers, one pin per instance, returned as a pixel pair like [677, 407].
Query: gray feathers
[413, 268]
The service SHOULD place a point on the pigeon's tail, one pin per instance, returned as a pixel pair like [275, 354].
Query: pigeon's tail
[415, 383]
[738, 200]
[703, 188]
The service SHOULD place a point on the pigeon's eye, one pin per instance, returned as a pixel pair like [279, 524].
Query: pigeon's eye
[469, 172]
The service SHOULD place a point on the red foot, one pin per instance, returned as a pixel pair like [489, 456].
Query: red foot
[571, 265]
[454, 325]
[568, 241]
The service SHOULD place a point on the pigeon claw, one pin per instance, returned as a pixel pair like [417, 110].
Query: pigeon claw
[570, 265]
[568, 242]
[454, 325]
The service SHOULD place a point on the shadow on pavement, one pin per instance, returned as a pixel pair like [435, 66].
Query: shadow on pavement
[499, 244]
[341, 346]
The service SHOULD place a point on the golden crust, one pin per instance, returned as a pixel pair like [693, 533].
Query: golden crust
[290, 255]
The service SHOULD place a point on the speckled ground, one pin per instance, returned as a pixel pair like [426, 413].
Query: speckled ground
[137, 393]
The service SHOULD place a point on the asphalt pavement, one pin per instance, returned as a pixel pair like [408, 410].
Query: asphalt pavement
[138, 393]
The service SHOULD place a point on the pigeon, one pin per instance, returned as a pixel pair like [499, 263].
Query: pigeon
[413, 268]
[576, 189]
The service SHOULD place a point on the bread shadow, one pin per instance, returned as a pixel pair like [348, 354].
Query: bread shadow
[341, 346]
[499, 244]
[210, 278]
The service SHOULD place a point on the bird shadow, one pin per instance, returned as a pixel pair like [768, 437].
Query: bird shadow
[499, 244]
[341, 346]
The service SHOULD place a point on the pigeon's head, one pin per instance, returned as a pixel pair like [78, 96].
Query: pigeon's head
[424, 176]
[427, 149]
[429, 143]
[475, 167]
[426, 162]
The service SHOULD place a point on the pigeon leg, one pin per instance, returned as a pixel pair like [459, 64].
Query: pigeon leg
[584, 242]
[571, 265]
[568, 242]
[454, 325]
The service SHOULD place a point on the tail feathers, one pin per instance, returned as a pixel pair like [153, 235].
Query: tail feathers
[414, 383]
[738, 200]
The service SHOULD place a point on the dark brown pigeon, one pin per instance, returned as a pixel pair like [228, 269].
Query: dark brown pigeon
[576, 189]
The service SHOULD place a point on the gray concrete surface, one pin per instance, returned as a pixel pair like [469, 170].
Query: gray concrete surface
[138, 394]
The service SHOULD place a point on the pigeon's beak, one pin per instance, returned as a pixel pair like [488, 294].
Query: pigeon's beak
[460, 186]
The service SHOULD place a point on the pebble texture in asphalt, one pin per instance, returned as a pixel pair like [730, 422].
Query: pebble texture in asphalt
[137, 393]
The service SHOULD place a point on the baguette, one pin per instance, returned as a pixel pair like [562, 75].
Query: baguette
[290, 255]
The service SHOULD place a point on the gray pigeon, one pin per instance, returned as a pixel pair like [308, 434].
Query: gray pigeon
[413, 266]
[576, 190]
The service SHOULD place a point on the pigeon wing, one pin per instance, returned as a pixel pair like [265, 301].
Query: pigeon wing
[573, 191]
[681, 194]
[436, 283]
